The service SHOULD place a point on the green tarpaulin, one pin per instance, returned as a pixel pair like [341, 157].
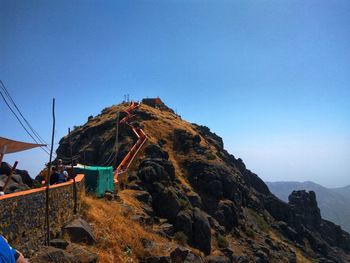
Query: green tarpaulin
[98, 179]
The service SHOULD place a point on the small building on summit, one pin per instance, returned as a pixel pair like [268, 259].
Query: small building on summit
[153, 102]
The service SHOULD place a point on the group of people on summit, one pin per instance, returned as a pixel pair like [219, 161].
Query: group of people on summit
[58, 174]
[20, 180]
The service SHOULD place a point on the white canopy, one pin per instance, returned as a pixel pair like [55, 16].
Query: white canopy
[11, 146]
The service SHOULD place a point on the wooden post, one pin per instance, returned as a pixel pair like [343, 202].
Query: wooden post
[47, 218]
[116, 141]
[10, 176]
[74, 185]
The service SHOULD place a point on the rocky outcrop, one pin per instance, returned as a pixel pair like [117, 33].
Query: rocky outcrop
[20, 179]
[201, 231]
[183, 141]
[227, 214]
[210, 136]
[305, 208]
[80, 231]
[301, 219]
[196, 190]
[15, 185]
[156, 175]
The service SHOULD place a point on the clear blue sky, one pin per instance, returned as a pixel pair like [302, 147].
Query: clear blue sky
[271, 77]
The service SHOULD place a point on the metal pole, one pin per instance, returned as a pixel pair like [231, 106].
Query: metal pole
[74, 185]
[47, 219]
[116, 140]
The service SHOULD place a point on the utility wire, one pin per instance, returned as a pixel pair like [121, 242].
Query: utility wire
[21, 122]
[38, 139]
[26, 121]
[34, 132]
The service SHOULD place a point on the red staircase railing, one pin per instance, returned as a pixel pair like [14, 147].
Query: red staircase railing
[141, 139]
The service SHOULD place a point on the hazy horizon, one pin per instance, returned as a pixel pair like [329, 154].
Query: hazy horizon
[271, 78]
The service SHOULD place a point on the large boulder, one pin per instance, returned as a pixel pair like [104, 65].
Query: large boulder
[207, 178]
[80, 231]
[226, 214]
[15, 184]
[154, 151]
[183, 223]
[231, 189]
[194, 199]
[26, 179]
[156, 170]
[166, 203]
[201, 231]
[184, 141]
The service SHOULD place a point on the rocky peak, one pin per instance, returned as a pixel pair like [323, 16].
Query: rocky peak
[305, 207]
[206, 196]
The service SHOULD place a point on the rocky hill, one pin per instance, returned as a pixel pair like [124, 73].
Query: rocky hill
[334, 203]
[185, 189]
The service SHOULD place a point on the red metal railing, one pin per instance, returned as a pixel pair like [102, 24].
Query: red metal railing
[141, 139]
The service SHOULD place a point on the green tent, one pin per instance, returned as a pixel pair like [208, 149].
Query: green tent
[98, 179]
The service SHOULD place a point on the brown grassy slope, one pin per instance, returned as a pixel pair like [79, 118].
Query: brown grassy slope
[115, 231]
[163, 128]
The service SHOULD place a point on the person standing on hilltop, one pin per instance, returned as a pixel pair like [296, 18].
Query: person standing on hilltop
[8, 254]
[60, 167]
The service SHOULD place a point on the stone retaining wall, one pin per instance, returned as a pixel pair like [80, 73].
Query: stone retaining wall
[22, 214]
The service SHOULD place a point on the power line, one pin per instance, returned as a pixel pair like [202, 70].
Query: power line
[23, 126]
[26, 121]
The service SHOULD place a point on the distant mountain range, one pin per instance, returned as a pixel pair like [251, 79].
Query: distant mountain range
[333, 202]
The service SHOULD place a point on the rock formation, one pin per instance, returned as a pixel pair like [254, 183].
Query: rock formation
[197, 193]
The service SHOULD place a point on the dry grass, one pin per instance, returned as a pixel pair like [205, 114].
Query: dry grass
[163, 128]
[116, 233]
[300, 257]
[128, 197]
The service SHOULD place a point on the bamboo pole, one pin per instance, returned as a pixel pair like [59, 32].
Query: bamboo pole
[74, 185]
[47, 218]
